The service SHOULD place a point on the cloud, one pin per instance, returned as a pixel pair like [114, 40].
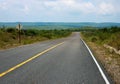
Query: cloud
[26, 9]
[106, 8]
[81, 6]
[60, 8]
[3, 6]
[68, 7]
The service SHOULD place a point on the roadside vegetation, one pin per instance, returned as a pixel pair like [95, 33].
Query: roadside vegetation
[96, 39]
[110, 36]
[9, 36]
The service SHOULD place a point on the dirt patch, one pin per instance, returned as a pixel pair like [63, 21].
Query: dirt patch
[110, 61]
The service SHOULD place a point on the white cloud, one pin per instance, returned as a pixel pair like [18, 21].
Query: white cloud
[26, 9]
[60, 8]
[81, 6]
[70, 6]
[106, 8]
[3, 6]
[66, 6]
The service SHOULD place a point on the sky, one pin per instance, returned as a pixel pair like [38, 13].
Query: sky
[60, 11]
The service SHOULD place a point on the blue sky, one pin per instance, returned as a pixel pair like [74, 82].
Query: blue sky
[59, 11]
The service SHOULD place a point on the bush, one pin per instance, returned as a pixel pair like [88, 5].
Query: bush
[94, 39]
[10, 30]
[9, 36]
[110, 36]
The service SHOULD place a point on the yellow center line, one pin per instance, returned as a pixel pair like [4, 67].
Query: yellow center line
[28, 60]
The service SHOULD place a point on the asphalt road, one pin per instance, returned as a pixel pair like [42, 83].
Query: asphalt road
[66, 63]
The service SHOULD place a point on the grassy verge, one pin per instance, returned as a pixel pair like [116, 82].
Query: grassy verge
[110, 60]
[9, 36]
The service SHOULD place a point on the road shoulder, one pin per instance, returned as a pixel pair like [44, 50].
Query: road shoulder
[108, 60]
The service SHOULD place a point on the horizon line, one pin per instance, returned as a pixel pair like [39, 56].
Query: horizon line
[51, 22]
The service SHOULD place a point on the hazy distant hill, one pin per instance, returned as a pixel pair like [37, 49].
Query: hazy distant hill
[57, 25]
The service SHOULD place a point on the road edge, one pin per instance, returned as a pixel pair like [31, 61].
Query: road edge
[99, 68]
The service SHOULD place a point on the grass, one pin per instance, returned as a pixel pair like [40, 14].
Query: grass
[110, 36]
[9, 36]
[110, 60]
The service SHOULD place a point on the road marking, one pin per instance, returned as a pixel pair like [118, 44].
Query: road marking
[30, 59]
[101, 71]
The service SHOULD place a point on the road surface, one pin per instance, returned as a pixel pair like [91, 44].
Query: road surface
[62, 61]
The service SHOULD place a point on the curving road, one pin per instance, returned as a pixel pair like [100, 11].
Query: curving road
[55, 63]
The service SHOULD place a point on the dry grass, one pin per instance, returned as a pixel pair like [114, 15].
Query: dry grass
[108, 36]
[9, 36]
[110, 61]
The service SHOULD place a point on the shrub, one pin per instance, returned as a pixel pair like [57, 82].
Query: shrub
[94, 39]
[110, 36]
[11, 30]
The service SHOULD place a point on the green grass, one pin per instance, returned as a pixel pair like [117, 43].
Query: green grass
[9, 36]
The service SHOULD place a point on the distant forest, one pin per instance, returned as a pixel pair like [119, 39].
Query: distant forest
[56, 25]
